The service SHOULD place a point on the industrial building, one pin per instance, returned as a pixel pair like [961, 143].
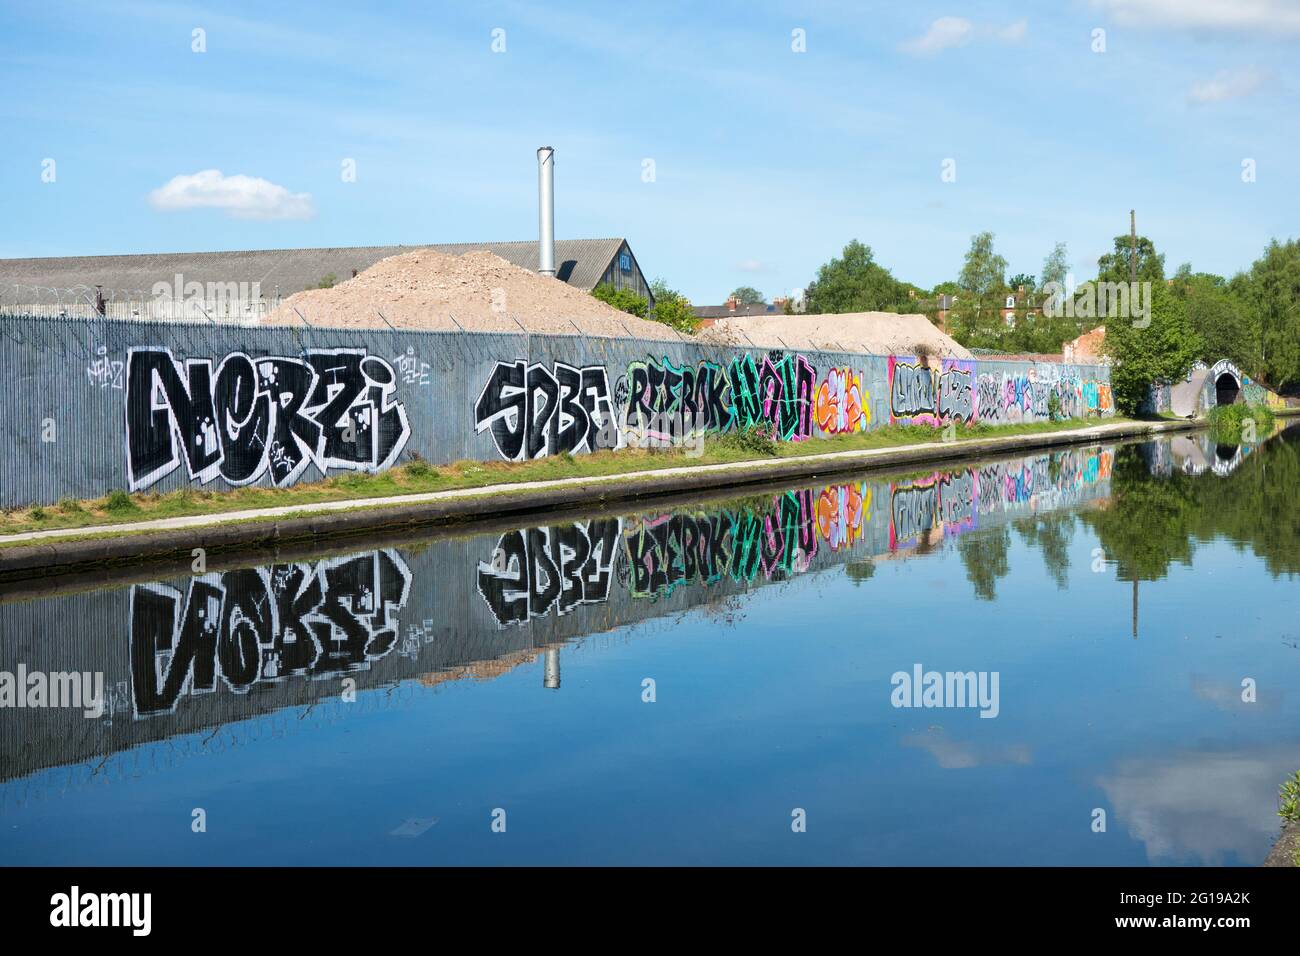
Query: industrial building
[250, 283]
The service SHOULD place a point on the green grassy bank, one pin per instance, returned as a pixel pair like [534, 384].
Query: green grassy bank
[417, 476]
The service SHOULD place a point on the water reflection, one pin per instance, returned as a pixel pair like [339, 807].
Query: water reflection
[280, 646]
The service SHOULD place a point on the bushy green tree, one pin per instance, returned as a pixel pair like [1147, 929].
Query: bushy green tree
[855, 282]
[1114, 266]
[625, 300]
[1219, 318]
[1057, 265]
[672, 308]
[977, 316]
[747, 295]
[1272, 293]
[1161, 349]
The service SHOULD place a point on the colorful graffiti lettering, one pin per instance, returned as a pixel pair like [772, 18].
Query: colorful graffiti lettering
[664, 401]
[911, 392]
[920, 395]
[957, 391]
[841, 510]
[842, 403]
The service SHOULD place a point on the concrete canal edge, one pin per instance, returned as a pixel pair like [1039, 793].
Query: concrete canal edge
[1286, 851]
[42, 553]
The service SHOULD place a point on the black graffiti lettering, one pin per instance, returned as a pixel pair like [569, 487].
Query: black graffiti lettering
[541, 570]
[503, 407]
[534, 411]
[165, 404]
[246, 618]
[334, 408]
[289, 385]
[541, 383]
[570, 425]
[713, 401]
[258, 625]
[600, 412]
[244, 420]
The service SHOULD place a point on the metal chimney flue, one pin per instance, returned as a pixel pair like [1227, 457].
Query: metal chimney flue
[546, 211]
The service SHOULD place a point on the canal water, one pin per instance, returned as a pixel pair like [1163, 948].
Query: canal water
[1084, 656]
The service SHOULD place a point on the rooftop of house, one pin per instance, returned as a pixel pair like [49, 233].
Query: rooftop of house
[579, 262]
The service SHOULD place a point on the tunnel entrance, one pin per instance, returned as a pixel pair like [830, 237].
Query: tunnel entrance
[1226, 389]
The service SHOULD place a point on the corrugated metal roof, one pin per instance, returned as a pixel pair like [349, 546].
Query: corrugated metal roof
[579, 262]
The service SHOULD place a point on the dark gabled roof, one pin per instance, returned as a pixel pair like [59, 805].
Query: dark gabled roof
[724, 312]
[579, 262]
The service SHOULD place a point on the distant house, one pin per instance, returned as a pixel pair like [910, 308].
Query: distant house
[733, 307]
[1016, 301]
[1087, 349]
[1020, 300]
[279, 273]
[708, 314]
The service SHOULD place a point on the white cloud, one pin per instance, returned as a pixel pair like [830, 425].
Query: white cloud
[944, 33]
[240, 197]
[1228, 85]
[1014, 32]
[949, 32]
[952, 754]
[1247, 16]
[1206, 806]
[752, 265]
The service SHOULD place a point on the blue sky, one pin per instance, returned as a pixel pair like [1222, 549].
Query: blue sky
[766, 160]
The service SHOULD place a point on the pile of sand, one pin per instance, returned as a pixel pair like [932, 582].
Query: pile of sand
[479, 291]
[875, 333]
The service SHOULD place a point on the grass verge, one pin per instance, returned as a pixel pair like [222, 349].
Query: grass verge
[1229, 422]
[417, 476]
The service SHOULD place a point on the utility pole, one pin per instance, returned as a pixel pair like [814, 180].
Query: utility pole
[1135, 604]
[1133, 246]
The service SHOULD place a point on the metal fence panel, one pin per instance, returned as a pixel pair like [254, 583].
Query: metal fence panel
[96, 404]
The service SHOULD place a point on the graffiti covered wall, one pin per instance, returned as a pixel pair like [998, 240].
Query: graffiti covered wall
[97, 405]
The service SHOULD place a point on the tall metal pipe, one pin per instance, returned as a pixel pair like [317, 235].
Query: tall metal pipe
[546, 211]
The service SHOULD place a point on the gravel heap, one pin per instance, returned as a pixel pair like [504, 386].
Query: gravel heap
[425, 289]
[875, 333]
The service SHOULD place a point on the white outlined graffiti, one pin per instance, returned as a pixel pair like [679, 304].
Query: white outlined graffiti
[332, 408]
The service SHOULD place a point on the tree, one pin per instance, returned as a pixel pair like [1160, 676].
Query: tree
[1057, 265]
[672, 308]
[1021, 279]
[747, 295]
[1160, 350]
[855, 282]
[1114, 266]
[625, 300]
[1220, 320]
[982, 280]
[1272, 293]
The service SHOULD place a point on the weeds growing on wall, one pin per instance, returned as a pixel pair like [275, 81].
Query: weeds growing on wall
[757, 440]
[1227, 422]
[119, 501]
[1288, 807]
